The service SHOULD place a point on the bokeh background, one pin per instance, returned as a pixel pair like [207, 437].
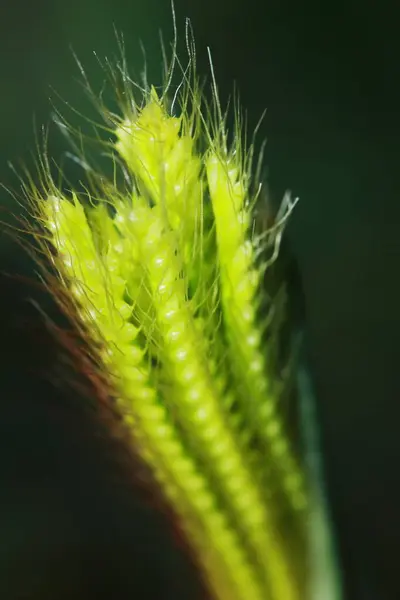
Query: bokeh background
[328, 74]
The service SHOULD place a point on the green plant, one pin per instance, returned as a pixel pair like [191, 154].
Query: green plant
[165, 271]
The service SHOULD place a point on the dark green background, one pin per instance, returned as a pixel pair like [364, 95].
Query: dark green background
[328, 74]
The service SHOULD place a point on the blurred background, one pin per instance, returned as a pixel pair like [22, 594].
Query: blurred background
[328, 74]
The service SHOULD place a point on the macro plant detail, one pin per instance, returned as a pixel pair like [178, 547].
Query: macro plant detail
[165, 269]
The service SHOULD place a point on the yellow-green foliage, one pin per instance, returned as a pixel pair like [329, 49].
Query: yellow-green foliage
[167, 277]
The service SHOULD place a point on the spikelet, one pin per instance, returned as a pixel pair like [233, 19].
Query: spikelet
[167, 278]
